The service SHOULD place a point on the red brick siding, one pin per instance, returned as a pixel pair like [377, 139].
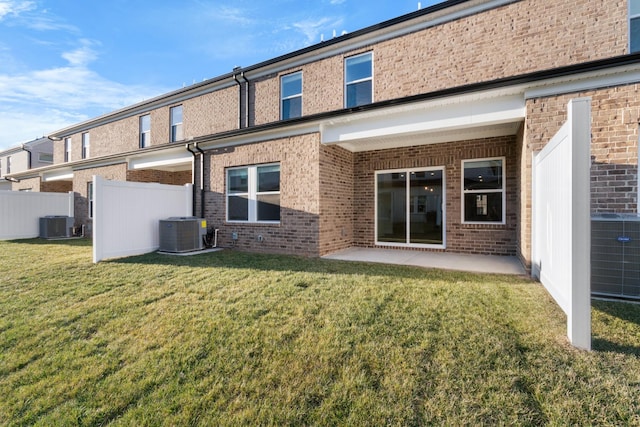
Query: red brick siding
[298, 231]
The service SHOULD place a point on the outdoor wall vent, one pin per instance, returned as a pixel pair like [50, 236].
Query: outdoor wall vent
[182, 234]
[615, 255]
[56, 227]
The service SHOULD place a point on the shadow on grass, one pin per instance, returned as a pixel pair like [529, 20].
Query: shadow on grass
[73, 241]
[229, 258]
[620, 311]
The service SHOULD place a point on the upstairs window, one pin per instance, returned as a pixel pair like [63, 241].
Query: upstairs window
[634, 26]
[145, 131]
[85, 145]
[358, 72]
[253, 193]
[8, 165]
[483, 198]
[67, 149]
[176, 123]
[291, 95]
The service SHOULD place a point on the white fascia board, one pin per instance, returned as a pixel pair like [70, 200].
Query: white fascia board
[437, 115]
[628, 74]
[161, 159]
[58, 175]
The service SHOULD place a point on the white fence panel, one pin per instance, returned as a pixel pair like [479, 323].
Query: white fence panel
[20, 212]
[126, 215]
[561, 222]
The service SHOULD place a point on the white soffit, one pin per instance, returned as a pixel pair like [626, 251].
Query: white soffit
[472, 116]
[58, 175]
[171, 161]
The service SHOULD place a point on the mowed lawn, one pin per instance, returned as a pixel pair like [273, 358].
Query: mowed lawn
[231, 338]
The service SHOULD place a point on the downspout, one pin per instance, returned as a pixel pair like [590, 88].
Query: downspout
[193, 179]
[235, 77]
[28, 158]
[246, 100]
[201, 179]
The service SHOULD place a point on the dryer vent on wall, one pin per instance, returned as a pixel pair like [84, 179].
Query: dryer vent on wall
[615, 255]
[182, 234]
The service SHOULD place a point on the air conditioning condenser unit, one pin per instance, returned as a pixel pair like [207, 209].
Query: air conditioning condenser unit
[182, 234]
[56, 226]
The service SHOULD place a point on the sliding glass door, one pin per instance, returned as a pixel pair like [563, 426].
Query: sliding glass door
[409, 209]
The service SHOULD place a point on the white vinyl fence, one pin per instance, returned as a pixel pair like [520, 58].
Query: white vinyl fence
[561, 224]
[126, 215]
[20, 212]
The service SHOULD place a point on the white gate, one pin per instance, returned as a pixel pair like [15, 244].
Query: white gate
[20, 211]
[126, 215]
[561, 225]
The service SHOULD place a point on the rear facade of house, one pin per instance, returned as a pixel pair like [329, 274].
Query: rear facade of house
[417, 133]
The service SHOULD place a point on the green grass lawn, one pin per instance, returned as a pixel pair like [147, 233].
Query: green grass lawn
[232, 338]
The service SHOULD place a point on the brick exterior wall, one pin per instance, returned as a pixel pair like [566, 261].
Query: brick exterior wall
[615, 114]
[159, 176]
[211, 113]
[521, 37]
[336, 199]
[33, 184]
[298, 231]
[56, 186]
[464, 238]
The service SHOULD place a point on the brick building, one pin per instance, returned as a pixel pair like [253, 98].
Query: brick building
[415, 133]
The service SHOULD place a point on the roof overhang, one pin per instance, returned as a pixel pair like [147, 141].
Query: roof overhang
[64, 174]
[172, 160]
[472, 116]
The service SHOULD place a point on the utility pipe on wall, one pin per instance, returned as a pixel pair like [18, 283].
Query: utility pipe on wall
[193, 179]
[201, 179]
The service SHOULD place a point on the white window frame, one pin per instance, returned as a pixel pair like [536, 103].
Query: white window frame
[145, 135]
[252, 194]
[90, 199]
[67, 150]
[86, 144]
[8, 165]
[347, 83]
[503, 190]
[176, 125]
[299, 95]
[631, 17]
[408, 210]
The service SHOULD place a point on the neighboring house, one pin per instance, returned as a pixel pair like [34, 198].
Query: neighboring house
[415, 133]
[30, 155]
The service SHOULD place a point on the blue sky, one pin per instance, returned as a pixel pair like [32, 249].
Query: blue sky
[64, 61]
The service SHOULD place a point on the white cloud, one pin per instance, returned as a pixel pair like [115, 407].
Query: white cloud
[312, 28]
[337, 1]
[81, 56]
[13, 7]
[38, 102]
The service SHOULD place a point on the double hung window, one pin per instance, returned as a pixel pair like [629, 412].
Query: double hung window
[145, 131]
[291, 95]
[253, 193]
[358, 72]
[67, 149]
[90, 198]
[483, 195]
[85, 145]
[634, 26]
[176, 123]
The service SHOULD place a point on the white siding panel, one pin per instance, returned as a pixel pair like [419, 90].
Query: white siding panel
[561, 220]
[127, 214]
[20, 212]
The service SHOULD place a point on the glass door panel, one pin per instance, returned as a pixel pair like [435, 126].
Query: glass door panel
[425, 207]
[392, 207]
[410, 207]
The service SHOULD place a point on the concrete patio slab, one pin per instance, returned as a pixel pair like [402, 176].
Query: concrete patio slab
[442, 260]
